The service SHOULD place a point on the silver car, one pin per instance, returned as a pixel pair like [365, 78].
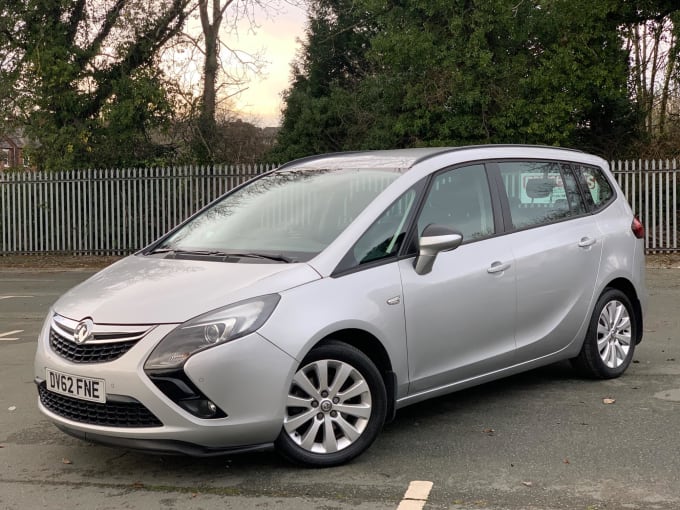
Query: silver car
[304, 308]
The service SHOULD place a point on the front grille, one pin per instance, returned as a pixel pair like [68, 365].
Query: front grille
[105, 342]
[111, 414]
[88, 353]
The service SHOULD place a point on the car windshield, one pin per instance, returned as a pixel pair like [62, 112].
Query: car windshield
[290, 215]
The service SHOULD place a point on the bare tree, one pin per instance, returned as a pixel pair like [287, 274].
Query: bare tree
[225, 71]
[653, 49]
[211, 31]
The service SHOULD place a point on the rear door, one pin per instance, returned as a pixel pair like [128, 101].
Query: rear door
[557, 247]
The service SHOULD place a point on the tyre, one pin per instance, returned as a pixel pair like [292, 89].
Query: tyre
[610, 340]
[335, 407]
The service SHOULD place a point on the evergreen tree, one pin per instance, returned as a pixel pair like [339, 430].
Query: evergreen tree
[321, 105]
[453, 72]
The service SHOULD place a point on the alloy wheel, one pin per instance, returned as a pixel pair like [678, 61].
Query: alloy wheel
[614, 334]
[328, 406]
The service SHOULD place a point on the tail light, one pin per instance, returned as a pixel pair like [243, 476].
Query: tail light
[638, 228]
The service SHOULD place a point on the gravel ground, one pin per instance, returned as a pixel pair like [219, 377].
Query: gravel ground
[66, 262]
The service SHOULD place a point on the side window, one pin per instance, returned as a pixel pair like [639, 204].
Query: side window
[460, 199]
[384, 238]
[540, 192]
[574, 198]
[599, 188]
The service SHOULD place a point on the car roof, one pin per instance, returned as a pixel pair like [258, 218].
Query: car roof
[395, 159]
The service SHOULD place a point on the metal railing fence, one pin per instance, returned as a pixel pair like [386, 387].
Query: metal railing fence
[115, 212]
[106, 212]
[651, 187]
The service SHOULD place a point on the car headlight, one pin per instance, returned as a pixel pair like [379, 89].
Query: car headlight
[211, 329]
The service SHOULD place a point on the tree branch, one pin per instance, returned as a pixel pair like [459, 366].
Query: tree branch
[76, 17]
[140, 53]
[94, 48]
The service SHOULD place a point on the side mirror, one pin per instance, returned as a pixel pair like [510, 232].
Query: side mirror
[435, 239]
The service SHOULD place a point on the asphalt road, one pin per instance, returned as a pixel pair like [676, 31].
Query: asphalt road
[541, 440]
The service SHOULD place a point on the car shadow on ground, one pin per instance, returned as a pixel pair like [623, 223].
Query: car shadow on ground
[463, 407]
[499, 392]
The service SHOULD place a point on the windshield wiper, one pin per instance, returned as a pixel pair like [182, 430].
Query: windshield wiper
[176, 251]
[277, 256]
[159, 250]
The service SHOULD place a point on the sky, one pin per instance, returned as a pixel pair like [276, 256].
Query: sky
[276, 37]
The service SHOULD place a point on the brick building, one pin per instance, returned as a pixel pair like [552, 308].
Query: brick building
[12, 151]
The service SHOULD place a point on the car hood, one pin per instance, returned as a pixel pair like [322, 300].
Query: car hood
[148, 290]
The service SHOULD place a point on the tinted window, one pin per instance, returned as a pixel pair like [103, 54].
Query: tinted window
[460, 199]
[384, 238]
[572, 193]
[598, 186]
[540, 192]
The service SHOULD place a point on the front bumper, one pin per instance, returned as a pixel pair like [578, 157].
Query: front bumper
[247, 378]
[161, 446]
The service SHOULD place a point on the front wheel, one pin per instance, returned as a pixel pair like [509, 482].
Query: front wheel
[335, 407]
[610, 341]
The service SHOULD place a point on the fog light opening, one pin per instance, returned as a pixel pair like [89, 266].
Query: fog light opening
[178, 387]
[202, 408]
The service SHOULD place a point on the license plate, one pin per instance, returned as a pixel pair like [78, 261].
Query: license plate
[83, 388]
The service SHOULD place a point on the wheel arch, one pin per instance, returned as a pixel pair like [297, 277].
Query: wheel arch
[373, 348]
[625, 286]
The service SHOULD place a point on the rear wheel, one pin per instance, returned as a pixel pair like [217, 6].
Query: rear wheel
[335, 407]
[610, 341]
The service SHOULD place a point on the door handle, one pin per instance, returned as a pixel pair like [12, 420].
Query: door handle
[587, 241]
[498, 267]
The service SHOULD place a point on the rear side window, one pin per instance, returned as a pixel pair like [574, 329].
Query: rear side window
[600, 191]
[540, 192]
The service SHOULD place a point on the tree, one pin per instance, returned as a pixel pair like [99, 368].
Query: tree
[224, 73]
[655, 80]
[207, 124]
[82, 77]
[321, 110]
[457, 72]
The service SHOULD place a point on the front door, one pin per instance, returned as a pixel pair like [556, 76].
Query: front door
[460, 317]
